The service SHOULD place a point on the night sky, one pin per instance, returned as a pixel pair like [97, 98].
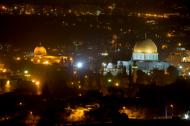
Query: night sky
[22, 30]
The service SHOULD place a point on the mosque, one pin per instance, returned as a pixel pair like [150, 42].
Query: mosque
[145, 51]
[41, 57]
[144, 58]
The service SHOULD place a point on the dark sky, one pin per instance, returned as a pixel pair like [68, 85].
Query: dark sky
[142, 4]
[20, 31]
[93, 1]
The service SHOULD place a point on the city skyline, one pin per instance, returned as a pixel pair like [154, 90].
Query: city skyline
[94, 62]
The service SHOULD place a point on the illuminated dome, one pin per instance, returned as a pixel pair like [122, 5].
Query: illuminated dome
[145, 50]
[146, 46]
[40, 50]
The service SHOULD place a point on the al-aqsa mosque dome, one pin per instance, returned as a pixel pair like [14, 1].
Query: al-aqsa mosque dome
[40, 50]
[145, 50]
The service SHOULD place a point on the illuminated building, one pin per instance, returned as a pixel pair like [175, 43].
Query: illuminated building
[180, 55]
[144, 58]
[145, 51]
[180, 58]
[41, 57]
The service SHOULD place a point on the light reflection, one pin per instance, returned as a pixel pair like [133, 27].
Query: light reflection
[26, 72]
[117, 84]
[18, 58]
[4, 70]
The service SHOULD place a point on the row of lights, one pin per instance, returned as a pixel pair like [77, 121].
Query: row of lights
[116, 84]
[34, 81]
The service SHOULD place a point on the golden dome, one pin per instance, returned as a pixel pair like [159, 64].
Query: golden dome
[40, 50]
[145, 46]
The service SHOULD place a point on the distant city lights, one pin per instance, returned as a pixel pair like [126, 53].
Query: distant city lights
[109, 80]
[18, 58]
[26, 72]
[180, 67]
[37, 83]
[104, 64]
[104, 54]
[117, 84]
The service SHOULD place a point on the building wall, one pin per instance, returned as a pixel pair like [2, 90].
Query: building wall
[145, 56]
[145, 66]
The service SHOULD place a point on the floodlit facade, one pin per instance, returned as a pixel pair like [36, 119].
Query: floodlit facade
[145, 51]
[180, 58]
[41, 57]
[180, 55]
[144, 58]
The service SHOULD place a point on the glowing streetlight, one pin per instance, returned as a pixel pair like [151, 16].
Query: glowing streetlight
[38, 61]
[4, 70]
[186, 116]
[20, 103]
[117, 84]
[37, 83]
[26, 72]
[171, 105]
[31, 112]
[180, 67]
[109, 80]
[79, 87]
[33, 81]
[86, 76]
[189, 73]
[179, 44]
[74, 72]
[79, 65]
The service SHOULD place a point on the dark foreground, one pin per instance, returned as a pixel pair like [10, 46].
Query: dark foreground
[170, 122]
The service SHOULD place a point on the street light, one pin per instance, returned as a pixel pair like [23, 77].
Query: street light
[186, 116]
[109, 80]
[117, 84]
[180, 67]
[37, 83]
[104, 64]
[79, 65]
[26, 71]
